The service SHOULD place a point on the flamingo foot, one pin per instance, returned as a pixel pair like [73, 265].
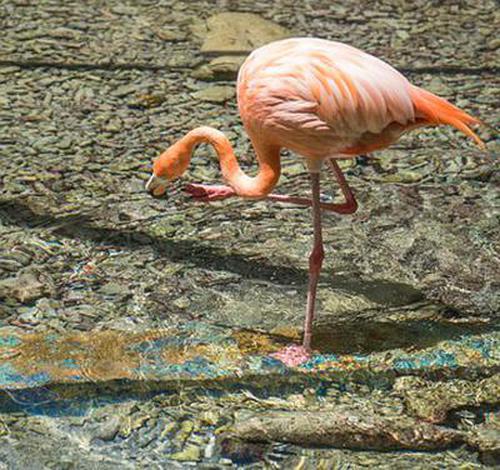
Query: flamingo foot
[207, 193]
[293, 356]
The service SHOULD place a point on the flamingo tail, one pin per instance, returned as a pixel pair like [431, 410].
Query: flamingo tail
[436, 110]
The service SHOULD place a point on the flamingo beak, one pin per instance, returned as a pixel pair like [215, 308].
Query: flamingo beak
[156, 185]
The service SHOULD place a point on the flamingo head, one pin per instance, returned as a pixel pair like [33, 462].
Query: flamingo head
[171, 164]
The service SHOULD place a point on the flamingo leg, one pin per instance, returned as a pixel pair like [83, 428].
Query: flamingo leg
[295, 355]
[209, 192]
[206, 193]
[315, 261]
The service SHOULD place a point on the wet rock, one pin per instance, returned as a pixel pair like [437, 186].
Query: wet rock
[185, 431]
[209, 417]
[346, 430]
[171, 35]
[220, 68]
[182, 59]
[239, 33]
[124, 90]
[47, 307]
[402, 34]
[215, 94]
[113, 125]
[65, 143]
[182, 302]
[148, 100]
[432, 401]
[14, 260]
[438, 86]
[108, 430]
[114, 289]
[241, 452]
[25, 287]
[190, 453]
[486, 437]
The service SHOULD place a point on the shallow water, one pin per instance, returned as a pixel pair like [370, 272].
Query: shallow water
[137, 332]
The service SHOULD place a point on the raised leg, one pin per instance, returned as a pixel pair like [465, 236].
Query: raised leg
[348, 207]
[206, 193]
[315, 262]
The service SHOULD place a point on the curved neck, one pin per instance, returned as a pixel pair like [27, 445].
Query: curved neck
[268, 157]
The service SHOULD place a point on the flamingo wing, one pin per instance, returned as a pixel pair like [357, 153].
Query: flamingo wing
[357, 92]
[322, 87]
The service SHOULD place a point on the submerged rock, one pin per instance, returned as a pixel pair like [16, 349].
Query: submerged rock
[239, 33]
[108, 430]
[220, 68]
[25, 287]
[433, 400]
[215, 94]
[347, 430]
[189, 453]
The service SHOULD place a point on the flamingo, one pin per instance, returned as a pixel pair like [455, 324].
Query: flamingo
[324, 101]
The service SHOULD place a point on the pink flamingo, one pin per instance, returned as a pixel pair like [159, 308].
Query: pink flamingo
[325, 101]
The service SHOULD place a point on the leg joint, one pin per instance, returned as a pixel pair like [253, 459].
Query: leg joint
[351, 205]
[316, 257]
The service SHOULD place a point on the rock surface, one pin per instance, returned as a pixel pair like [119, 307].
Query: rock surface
[215, 94]
[347, 430]
[220, 68]
[239, 33]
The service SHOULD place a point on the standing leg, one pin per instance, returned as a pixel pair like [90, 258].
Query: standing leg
[295, 355]
[315, 261]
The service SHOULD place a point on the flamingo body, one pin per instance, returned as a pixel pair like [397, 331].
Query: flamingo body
[323, 100]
